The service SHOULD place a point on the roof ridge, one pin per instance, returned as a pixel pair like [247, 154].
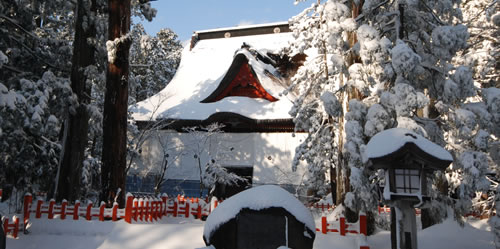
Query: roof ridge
[251, 30]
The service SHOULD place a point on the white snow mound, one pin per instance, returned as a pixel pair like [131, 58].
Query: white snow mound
[258, 198]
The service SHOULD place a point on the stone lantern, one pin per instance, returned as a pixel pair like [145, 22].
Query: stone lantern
[406, 158]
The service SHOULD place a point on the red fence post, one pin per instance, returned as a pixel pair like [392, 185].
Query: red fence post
[198, 212]
[146, 214]
[76, 210]
[175, 208]
[187, 209]
[39, 209]
[101, 211]
[141, 208]
[28, 198]
[16, 226]
[324, 225]
[362, 224]
[129, 207]
[89, 211]
[51, 208]
[158, 208]
[114, 212]
[342, 226]
[136, 209]
[63, 209]
[6, 225]
[153, 210]
[164, 199]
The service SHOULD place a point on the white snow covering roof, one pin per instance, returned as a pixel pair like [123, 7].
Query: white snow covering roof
[391, 140]
[258, 198]
[242, 27]
[199, 74]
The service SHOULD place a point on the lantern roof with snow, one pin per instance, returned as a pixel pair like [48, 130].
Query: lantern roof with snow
[399, 147]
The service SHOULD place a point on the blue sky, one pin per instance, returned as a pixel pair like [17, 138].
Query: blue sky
[186, 16]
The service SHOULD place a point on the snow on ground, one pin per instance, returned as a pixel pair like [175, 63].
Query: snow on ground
[181, 233]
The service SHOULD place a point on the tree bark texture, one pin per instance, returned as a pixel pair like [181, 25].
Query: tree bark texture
[114, 152]
[343, 172]
[77, 125]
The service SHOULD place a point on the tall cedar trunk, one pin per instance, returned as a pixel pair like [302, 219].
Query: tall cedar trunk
[343, 171]
[426, 216]
[333, 173]
[76, 126]
[114, 152]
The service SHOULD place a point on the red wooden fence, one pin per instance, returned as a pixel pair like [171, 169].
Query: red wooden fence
[386, 209]
[323, 206]
[342, 227]
[146, 209]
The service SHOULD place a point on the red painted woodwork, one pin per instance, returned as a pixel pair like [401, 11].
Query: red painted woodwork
[245, 84]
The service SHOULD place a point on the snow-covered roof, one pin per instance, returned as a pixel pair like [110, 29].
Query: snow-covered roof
[199, 74]
[242, 27]
[258, 198]
[391, 141]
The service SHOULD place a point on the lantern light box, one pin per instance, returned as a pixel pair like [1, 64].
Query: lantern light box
[406, 158]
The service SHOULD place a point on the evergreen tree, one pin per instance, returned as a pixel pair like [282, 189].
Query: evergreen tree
[75, 138]
[390, 66]
[153, 61]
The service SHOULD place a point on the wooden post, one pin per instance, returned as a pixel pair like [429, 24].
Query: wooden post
[153, 210]
[114, 212]
[6, 225]
[63, 209]
[146, 208]
[16, 226]
[141, 208]
[136, 209]
[101, 211]
[129, 207]
[362, 224]
[324, 225]
[198, 212]
[175, 209]
[161, 206]
[342, 226]
[76, 210]
[88, 215]
[164, 199]
[28, 198]
[51, 208]
[38, 214]
[158, 208]
[186, 209]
